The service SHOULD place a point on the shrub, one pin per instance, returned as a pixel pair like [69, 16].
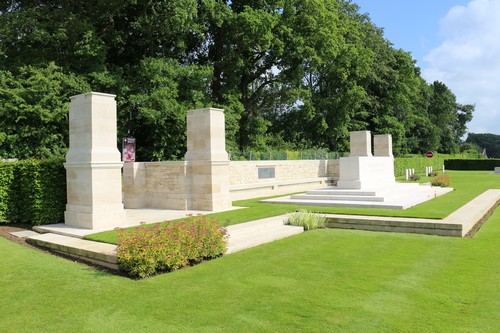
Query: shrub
[441, 180]
[145, 250]
[433, 174]
[307, 220]
[414, 177]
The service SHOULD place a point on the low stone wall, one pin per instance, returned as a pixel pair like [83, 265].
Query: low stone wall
[162, 185]
[168, 185]
[252, 179]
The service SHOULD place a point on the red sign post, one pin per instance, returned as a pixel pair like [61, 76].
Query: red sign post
[429, 154]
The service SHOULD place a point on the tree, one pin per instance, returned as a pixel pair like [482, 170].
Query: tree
[34, 111]
[159, 93]
[488, 141]
[449, 117]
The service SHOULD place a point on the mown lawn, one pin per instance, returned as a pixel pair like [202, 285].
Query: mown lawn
[467, 185]
[319, 281]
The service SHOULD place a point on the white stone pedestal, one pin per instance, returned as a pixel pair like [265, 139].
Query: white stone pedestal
[207, 160]
[93, 164]
[361, 170]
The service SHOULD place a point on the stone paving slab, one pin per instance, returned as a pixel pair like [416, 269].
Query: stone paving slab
[134, 217]
[100, 253]
[24, 234]
[250, 234]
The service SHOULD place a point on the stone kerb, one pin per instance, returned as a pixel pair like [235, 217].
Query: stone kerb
[93, 164]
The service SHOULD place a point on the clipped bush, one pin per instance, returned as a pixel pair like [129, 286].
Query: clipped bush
[441, 180]
[478, 164]
[146, 250]
[32, 191]
[307, 220]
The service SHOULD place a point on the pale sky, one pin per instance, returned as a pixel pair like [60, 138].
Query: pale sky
[456, 42]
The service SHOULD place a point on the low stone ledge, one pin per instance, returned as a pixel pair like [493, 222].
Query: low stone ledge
[320, 180]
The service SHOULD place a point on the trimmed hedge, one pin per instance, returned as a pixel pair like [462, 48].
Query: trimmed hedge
[419, 163]
[483, 164]
[32, 191]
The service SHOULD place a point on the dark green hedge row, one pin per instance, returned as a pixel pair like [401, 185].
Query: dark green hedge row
[32, 191]
[486, 164]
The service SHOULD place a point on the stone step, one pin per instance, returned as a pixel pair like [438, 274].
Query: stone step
[250, 234]
[308, 196]
[102, 254]
[340, 192]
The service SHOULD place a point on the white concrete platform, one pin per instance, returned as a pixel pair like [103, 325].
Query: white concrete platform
[133, 217]
[396, 196]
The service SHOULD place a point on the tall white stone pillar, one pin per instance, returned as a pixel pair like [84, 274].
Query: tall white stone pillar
[382, 145]
[93, 163]
[207, 160]
[361, 143]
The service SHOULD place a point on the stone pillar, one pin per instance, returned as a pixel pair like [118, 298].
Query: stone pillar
[382, 145]
[93, 164]
[361, 143]
[207, 160]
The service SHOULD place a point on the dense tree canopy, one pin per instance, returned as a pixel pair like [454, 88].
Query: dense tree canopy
[289, 73]
[490, 142]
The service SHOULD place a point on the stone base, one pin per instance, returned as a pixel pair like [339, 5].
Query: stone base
[209, 188]
[361, 172]
[88, 217]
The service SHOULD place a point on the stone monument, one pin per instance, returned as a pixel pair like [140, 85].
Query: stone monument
[93, 164]
[362, 169]
[367, 180]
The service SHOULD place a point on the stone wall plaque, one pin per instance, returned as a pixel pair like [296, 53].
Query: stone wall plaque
[267, 172]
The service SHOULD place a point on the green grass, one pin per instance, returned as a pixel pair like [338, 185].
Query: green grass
[326, 280]
[467, 186]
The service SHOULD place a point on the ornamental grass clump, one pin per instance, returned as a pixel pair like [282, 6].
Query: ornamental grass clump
[441, 180]
[307, 220]
[146, 250]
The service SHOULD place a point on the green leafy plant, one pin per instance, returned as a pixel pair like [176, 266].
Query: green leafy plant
[441, 180]
[306, 219]
[146, 250]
